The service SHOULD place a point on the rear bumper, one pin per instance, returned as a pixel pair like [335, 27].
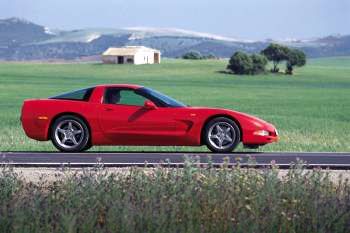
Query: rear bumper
[34, 123]
[35, 128]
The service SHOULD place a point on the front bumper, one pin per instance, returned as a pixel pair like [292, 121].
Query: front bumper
[258, 138]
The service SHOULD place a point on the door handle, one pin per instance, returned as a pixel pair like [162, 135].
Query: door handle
[108, 109]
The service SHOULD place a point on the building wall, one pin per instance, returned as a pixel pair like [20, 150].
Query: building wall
[142, 57]
[108, 59]
[114, 59]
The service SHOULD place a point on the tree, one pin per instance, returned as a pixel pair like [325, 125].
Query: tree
[192, 55]
[210, 56]
[240, 63]
[296, 57]
[276, 53]
[259, 63]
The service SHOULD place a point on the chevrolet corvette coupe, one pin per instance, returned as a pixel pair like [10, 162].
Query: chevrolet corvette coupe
[124, 114]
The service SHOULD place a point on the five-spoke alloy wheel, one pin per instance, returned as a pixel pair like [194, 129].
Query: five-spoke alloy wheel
[222, 135]
[70, 134]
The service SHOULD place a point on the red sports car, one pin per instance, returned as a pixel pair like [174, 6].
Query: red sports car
[123, 114]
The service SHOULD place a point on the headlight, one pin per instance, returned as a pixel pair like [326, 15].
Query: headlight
[262, 133]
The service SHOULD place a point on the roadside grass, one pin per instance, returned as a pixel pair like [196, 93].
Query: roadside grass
[310, 109]
[192, 199]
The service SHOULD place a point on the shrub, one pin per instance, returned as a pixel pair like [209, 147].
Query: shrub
[240, 63]
[259, 63]
[210, 56]
[192, 55]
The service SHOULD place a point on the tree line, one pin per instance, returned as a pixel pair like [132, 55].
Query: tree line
[195, 55]
[243, 63]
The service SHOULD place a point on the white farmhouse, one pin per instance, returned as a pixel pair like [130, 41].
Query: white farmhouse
[131, 55]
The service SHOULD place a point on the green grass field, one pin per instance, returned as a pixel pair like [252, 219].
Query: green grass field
[310, 109]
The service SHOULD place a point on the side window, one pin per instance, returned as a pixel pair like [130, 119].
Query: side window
[129, 97]
[123, 96]
[81, 95]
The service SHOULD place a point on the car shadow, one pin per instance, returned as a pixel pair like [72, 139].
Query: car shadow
[132, 152]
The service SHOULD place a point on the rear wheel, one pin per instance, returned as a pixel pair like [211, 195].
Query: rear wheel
[222, 135]
[70, 134]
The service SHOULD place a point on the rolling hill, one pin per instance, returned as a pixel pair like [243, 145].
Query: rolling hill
[24, 40]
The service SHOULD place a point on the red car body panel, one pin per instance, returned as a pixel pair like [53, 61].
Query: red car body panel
[116, 124]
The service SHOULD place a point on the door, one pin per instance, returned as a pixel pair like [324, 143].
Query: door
[120, 60]
[125, 121]
[156, 58]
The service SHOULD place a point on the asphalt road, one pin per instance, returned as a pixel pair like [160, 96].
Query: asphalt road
[123, 159]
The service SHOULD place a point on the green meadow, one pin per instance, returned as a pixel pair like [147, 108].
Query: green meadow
[311, 109]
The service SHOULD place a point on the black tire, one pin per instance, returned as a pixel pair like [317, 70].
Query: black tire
[88, 146]
[213, 136]
[61, 131]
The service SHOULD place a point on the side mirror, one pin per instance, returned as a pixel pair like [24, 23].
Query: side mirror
[149, 105]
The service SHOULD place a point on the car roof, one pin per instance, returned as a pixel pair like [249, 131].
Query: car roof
[132, 86]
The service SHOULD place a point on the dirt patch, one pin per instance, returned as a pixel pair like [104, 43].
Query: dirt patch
[52, 174]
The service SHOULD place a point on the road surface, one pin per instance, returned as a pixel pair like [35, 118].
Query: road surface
[124, 159]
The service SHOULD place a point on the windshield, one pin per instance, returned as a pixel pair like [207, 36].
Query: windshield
[168, 101]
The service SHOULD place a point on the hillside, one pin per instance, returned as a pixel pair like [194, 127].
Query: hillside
[15, 32]
[24, 40]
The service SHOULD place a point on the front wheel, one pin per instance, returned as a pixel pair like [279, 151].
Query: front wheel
[222, 135]
[70, 134]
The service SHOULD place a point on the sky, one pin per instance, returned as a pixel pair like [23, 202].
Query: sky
[243, 19]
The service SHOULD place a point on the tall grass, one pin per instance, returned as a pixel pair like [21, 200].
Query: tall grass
[192, 199]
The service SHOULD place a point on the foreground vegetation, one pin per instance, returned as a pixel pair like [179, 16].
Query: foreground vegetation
[310, 109]
[169, 200]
